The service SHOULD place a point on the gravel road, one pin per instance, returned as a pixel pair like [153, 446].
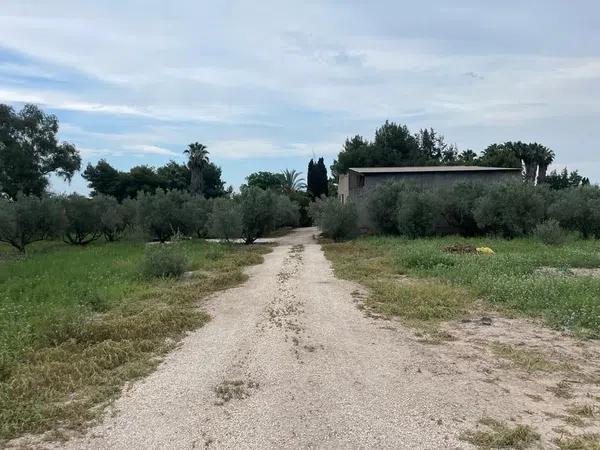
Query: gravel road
[290, 361]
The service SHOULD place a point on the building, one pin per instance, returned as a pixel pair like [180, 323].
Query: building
[361, 180]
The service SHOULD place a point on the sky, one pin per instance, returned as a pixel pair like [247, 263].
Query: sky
[266, 85]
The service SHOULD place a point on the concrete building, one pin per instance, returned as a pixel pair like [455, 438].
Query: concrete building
[359, 181]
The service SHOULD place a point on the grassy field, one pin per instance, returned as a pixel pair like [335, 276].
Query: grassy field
[450, 286]
[76, 323]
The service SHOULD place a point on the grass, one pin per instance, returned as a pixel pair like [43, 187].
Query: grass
[528, 360]
[500, 435]
[582, 442]
[509, 281]
[77, 323]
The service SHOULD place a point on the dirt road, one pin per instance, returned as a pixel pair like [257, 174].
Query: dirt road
[290, 361]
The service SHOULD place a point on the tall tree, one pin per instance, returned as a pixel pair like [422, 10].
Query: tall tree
[321, 178]
[499, 155]
[265, 180]
[544, 157]
[310, 179]
[30, 151]
[292, 180]
[198, 158]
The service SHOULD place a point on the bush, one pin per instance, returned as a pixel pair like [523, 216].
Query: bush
[28, 219]
[457, 205]
[197, 210]
[163, 214]
[512, 209]
[225, 219]
[163, 260]
[336, 220]
[578, 209]
[83, 220]
[287, 212]
[114, 217]
[382, 207]
[418, 213]
[258, 209]
[550, 233]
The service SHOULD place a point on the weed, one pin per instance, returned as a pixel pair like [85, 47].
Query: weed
[581, 442]
[562, 389]
[528, 360]
[501, 435]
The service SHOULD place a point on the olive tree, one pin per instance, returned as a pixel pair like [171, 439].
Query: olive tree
[225, 219]
[29, 219]
[114, 216]
[83, 220]
[258, 213]
[163, 214]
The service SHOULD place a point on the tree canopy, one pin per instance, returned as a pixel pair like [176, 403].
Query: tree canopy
[105, 179]
[318, 184]
[30, 151]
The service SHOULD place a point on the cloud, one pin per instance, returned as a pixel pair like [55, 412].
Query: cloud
[145, 149]
[262, 148]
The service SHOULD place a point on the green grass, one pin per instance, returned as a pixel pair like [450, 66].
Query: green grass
[76, 323]
[581, 442]
[529, 360]
[509, 280]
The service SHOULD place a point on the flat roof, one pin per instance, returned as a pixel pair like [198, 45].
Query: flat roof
[420, 169]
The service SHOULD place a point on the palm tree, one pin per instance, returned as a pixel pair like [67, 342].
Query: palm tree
[528, 155]
[198, 158]
[292, 180]
[545, 157]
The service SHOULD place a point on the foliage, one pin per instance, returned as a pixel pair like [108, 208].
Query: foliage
[30, 151]
[105, 179]
[578, 209]
[83, 220]
[336, 220]
[457, 205]
[163, 214]
[382, 207]
[61, 361]
[292, 181]
[418, 213]
[258, 211]
[115, 217]
[512, 209]
[197, 210]
[265, 180]
[29, 219]
[565, 180]
[198, 158]
[287, 213]
[510, 280]
[163, 260]
[225, 220]
[318, 184]
[550, 232]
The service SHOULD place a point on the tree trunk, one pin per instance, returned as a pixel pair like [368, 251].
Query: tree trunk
[196, 184]
[542, 173]
[530, 171]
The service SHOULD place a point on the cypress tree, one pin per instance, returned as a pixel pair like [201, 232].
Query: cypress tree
[310, 178]
[321, 176]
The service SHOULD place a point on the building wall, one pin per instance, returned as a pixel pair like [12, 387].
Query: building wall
[353, 187]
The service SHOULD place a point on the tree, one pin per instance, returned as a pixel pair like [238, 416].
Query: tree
[163, 214]
[353, 154]
[544, 157]
[83, 220]
[578, 209]
[499, 155]
[292, 181]
[30, 151]
[105, 179]
[225, 219]
[197, 209]
[317, 178]
[265, 180]
[114, 217]
[213, 185]
[564, 179]
[174, 176]
[467, 158]
[29, 219]
[198, 158]
[257, 207]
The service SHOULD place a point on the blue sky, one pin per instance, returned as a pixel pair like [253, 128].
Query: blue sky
[266, 85]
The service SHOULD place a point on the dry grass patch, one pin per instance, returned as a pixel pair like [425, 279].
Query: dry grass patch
[529, 360]
[500, 435]
[588, 441]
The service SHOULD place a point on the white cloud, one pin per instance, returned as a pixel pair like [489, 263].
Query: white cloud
[262, 148]
[145, 149]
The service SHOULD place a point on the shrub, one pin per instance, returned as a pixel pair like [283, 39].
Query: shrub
[578, 209]
[512, 209]
[258, 213]
[225, 219]
[336, 220]
[418, 213]
[550, 233]
[163, 214]
[163, 260]
[28, 219]
[197, 210]
[382, 207]
[457, 206]
[83, 220]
